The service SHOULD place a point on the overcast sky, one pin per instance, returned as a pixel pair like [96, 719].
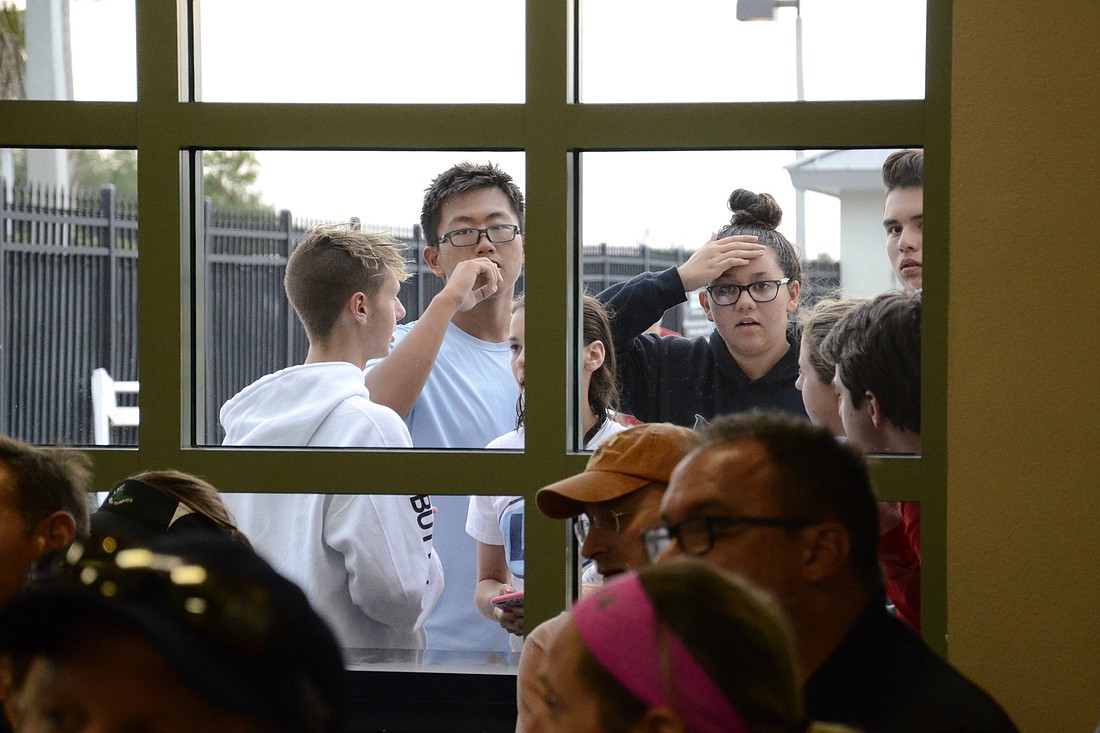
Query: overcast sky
[445, 51]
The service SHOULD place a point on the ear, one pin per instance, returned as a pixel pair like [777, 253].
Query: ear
[359, 306]
[54, 532]
[705, 302]
[594, 355]
[878, 417]
[825, 550]
[795, 289]
[431, 259]
[660, 720]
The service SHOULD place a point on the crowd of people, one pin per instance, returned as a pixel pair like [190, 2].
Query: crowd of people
[742, 577]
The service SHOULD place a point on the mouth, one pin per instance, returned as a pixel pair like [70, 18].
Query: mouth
[747, 323]
[909, 266]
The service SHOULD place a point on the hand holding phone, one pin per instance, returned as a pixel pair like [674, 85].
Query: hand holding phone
[508, 600]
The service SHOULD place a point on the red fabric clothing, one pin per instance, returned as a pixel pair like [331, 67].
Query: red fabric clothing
[899, 555]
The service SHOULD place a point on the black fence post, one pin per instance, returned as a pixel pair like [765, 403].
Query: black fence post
[107, 195]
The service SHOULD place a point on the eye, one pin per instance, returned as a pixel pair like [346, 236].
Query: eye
[516, 348]
[761, 286]
[462, 232]
[501, 228]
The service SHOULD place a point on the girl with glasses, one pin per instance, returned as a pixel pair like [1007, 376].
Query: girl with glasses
[749, 278]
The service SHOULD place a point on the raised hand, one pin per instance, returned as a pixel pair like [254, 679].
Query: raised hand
[717, 256]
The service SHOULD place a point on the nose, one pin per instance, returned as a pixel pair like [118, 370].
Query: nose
[909, 241]
[483, 243]
[799, 381]
[592, 546]
[398, 310]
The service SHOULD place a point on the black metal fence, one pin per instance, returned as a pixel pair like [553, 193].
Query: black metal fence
[68, 289]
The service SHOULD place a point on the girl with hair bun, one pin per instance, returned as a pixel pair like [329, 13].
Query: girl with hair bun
[749, 277]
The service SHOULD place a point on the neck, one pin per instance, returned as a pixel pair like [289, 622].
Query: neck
[901, 441]
[823, 621]
[336, 349]
[757, 365]
[488, 320]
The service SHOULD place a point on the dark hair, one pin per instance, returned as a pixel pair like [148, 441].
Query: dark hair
[903, 169]
[465, 176]
[521, 414]
[816, 475]
[751, 660]
[197, 494]
[816, 324]
[759, 214]
[48, 480]
[331, 264]
[603, 388]
[876, 348]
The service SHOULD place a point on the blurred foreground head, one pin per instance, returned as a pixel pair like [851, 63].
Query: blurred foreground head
[191, 633]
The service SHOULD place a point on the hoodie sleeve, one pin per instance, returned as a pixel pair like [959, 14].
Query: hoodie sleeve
[386, 543]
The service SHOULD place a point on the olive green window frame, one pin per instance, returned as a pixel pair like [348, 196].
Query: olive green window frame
[166, 129]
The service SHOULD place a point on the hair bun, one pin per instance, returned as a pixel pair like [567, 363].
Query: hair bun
[760, 209]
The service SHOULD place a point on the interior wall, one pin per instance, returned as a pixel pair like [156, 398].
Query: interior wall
[1024, 362]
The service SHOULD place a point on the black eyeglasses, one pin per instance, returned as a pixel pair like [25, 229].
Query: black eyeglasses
[238, 615]
[762, 291]
[469, 236]
[696, 536]
[611, 521]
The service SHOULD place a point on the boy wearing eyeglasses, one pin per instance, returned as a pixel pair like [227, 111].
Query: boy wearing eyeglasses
[448, 374]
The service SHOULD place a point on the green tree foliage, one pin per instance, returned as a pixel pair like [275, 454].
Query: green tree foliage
[228, 176]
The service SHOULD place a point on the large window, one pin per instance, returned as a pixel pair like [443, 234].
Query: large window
[534, 97]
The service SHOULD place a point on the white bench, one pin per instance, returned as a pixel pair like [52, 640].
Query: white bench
[106, 412]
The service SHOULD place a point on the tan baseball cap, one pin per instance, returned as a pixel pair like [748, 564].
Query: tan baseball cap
[623, 463]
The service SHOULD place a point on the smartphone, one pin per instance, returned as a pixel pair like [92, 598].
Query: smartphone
[509, 600]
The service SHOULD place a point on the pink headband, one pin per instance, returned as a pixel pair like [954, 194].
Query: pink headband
[620, 628]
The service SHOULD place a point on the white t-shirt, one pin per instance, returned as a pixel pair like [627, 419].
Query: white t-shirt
[469, 399]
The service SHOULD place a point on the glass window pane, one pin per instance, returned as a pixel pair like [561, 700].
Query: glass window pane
[68, 283]
[418, 51]
[253, 221]
[57, 49]
[699, 50]
[652, 211]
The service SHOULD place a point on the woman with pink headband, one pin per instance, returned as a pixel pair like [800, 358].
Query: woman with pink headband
[681, 647]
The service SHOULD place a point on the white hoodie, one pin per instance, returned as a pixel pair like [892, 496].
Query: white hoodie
[365, 562]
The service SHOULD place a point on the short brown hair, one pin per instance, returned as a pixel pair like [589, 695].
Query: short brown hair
[876, 349]
[331, 264]
[817, 476]
[48, 480]
[903, 169]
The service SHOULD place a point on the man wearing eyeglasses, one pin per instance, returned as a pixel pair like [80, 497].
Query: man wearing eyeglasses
[448, 374]
[616, 496]
[784, 504]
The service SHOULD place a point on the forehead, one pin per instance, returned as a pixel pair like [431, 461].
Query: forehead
[904, 203]
[8, 486]
[765, 267]
[478, 205]
[735, 477]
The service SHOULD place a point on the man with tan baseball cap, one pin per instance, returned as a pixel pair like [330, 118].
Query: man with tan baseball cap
[615, 498]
